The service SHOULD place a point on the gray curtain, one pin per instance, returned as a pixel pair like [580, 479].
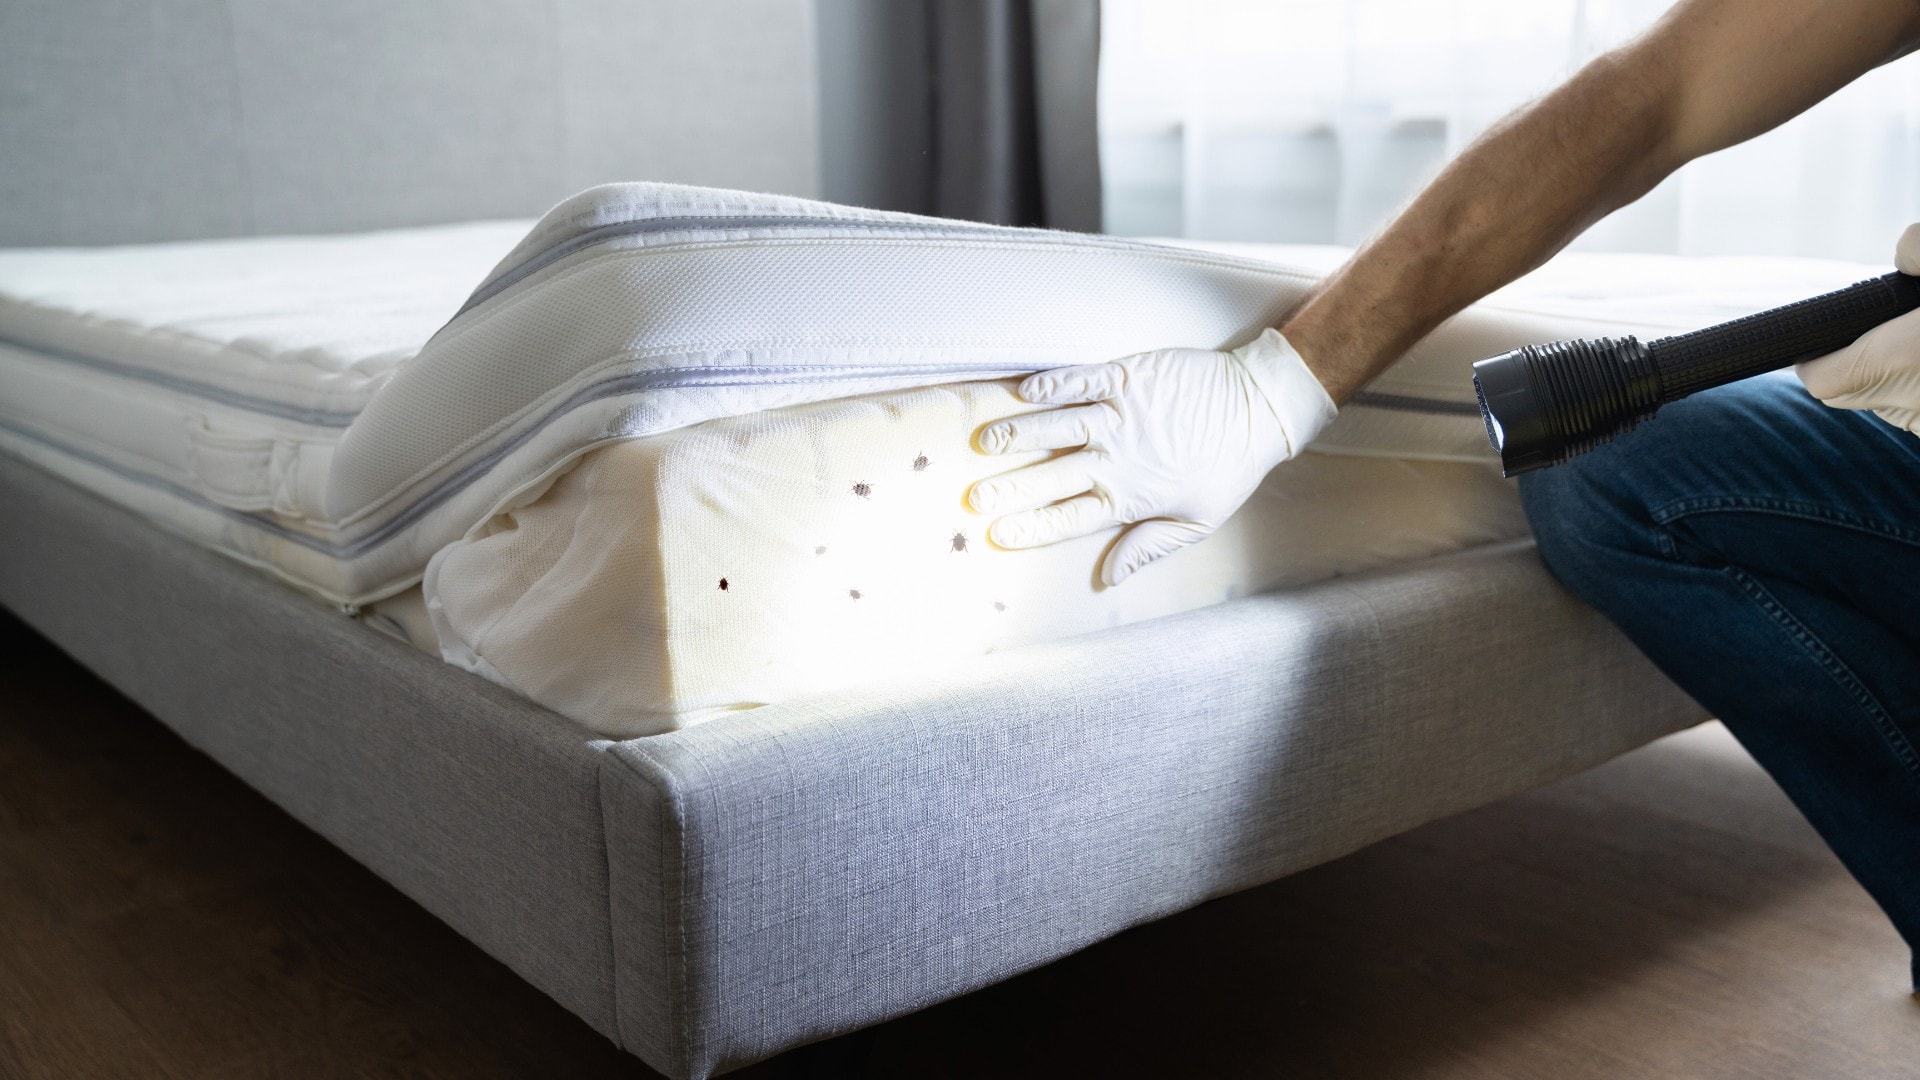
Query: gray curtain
[1013, 134]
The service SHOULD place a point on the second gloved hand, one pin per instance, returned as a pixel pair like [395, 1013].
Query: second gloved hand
[1171, 442]
[1881, 369]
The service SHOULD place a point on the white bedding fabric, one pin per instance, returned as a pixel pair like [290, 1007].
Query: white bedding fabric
[206, 385]
[272, 399]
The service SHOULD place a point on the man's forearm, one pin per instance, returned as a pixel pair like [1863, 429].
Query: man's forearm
[1516, 196]
[1716, 72]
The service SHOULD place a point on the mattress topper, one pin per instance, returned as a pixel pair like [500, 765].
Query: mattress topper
[300, 327]
[633, 309]
[337, 409]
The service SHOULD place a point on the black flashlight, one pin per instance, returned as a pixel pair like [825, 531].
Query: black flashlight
[1544, 404]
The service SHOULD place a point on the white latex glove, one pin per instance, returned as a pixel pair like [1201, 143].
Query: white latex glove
[1880, 370]
[1174, 440]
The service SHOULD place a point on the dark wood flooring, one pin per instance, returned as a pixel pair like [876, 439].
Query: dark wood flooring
[1667, 915]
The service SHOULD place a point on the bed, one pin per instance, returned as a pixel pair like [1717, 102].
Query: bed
[711, 860]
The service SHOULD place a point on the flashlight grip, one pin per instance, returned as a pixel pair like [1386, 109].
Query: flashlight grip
[1689, 363]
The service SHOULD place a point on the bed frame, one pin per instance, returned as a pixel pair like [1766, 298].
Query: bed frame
[713, 896]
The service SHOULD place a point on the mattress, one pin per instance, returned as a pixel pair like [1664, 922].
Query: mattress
[686, 451]
[207, 385]
[751, 560]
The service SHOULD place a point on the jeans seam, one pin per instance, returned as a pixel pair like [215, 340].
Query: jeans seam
[1835, 667]
[1668, 513]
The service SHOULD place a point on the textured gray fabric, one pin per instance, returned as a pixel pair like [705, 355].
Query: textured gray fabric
[1014, 139]
[478, 804]
[117, 122]
[126, 122]
[808, 868]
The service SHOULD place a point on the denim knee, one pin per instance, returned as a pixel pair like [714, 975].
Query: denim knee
[1588, 520]
[1595, 513]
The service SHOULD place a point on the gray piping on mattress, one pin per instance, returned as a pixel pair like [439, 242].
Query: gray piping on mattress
[162, 484]
[1407, 403]
[336, 418]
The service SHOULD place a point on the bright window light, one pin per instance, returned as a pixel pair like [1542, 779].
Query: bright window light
[1312, 121]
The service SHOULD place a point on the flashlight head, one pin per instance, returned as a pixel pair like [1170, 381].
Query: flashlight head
[1546, 403]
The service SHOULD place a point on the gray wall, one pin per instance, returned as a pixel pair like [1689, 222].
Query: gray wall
[876, 104]
[125, 121]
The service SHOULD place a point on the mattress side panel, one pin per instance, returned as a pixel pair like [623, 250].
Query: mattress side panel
[854, 857]
[479, 805]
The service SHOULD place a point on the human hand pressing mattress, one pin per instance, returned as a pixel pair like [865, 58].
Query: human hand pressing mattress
[1169, 443]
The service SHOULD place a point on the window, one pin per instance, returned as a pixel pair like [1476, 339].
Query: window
[1311, 121]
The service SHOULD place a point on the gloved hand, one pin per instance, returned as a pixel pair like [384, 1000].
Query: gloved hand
[1173, 440]
[1880, 370]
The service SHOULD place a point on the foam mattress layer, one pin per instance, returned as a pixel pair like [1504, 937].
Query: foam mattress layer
[755, 559]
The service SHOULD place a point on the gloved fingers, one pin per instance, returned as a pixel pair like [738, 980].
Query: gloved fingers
[1827, 377]
[1035, 485]
[1074, 385]
[1055, 429]
[1078, 516]
[1149, 540]
[1906, 253]
[1834, 376]
[1905, 419]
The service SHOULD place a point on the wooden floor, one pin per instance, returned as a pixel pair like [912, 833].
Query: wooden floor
[1664, 916]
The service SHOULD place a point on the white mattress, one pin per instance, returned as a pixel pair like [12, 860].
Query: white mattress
[217, 387]
[207, 384]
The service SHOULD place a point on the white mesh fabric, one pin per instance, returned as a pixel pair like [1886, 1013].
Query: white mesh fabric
[792, 313]
[602, 598]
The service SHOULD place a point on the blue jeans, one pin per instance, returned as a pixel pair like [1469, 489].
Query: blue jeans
[1764, 551]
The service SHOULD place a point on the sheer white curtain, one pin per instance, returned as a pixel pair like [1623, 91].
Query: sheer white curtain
[1311, 121]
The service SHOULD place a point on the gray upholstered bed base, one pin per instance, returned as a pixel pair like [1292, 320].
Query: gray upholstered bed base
[713, 896]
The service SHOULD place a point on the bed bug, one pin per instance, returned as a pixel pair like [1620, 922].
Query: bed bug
[959, 541]
[862, 488]
[854, 593]
[723, 584]
[920, 463]
[821, 550]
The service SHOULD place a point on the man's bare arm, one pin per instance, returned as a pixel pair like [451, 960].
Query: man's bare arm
[1710, 74]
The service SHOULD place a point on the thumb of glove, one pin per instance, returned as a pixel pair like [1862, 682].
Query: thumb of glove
[1906, 253]
[1145, 542]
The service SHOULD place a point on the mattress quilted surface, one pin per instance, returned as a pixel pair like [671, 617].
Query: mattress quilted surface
[206, 385]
